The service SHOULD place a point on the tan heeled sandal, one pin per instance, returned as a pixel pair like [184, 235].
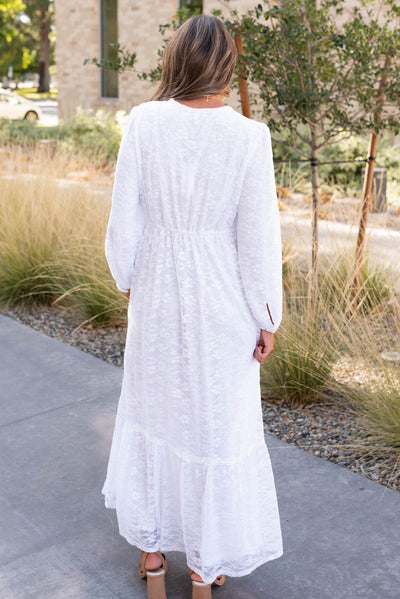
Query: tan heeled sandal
[201, 590]
[155, 578]
[218, 581]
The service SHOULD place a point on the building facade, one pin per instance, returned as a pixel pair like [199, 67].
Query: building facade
[85, 30]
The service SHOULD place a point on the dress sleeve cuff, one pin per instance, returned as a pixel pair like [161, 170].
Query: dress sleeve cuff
[123, 289]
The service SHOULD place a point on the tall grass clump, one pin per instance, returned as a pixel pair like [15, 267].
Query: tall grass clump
[86, 287]
[52, 245]
[314, 337]
[300, 368]
[289, 265]
[379, 403]
[34, 227]
[336, 280]
[368, 372]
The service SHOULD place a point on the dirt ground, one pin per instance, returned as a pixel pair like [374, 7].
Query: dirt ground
[343, 210]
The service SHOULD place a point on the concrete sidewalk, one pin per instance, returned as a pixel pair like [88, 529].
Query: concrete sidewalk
[340, 531]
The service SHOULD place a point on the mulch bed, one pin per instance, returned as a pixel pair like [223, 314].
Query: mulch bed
[331, 429]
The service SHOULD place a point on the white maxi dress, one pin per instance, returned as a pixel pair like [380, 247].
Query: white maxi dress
[194, 233]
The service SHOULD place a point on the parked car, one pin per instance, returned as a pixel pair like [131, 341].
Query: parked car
[13, 106]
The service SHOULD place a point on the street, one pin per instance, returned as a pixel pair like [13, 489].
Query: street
[383, 244]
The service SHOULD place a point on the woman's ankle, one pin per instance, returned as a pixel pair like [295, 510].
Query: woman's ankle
[153, 561]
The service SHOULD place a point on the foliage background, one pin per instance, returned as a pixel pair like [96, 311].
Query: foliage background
[19, 35]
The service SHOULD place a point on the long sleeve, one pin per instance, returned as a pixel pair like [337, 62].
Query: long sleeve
[127, 216]
[259, 236]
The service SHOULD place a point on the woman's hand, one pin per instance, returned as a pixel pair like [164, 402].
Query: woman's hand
[264, 347]
[128, 293]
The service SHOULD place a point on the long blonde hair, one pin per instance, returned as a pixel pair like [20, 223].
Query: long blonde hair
[199, 60]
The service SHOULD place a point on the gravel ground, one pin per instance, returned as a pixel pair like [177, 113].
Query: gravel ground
[334, 431]
[331, 429]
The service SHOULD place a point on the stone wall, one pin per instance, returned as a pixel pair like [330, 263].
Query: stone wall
[78, 37]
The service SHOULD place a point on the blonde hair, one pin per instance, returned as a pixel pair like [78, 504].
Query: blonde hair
[199, 60]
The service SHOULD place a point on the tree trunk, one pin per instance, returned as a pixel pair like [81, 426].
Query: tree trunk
[314, 221]
[44, 49]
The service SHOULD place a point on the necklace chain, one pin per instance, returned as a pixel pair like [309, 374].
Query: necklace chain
[208, 96]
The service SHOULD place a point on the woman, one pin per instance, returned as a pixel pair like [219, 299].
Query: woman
[194, 240]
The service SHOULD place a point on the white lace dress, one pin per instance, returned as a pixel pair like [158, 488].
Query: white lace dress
[194, 233]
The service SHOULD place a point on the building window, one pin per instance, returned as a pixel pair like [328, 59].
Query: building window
[195, 6]
[109, 35]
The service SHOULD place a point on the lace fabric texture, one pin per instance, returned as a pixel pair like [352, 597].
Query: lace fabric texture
[194, 233]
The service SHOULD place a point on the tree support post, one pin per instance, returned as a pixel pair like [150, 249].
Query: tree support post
[243, 86]
[314, 218]
[365, 204]
[367, 187]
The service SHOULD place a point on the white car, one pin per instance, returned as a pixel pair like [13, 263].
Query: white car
[13, 106]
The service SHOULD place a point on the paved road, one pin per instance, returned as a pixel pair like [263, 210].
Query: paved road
[50, 112]
[58, 541]
[49, 107]
[384, 244]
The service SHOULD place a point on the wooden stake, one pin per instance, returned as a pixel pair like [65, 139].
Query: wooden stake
[243, 86]
[365, 204]
[367, 187]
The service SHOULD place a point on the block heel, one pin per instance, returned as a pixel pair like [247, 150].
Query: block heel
[155, 578]
[200, 590]
[156, 584]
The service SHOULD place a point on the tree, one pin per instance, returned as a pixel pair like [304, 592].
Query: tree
[194, 6]
[41, 13]
[10, 10]
[24, 37]
[12, 51]
[317, 79]
[19, 53]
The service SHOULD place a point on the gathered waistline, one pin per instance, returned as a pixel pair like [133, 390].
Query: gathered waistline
[170, 230]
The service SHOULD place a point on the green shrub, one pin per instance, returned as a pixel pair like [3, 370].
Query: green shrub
[98, 134]
[24, 133]
[345, 159]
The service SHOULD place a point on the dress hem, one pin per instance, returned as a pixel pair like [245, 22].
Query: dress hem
[228, 572]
